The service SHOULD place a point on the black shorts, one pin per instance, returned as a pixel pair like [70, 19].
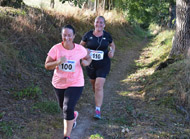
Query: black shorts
[98, 69]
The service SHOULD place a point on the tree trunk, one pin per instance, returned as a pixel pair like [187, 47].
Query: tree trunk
[95, 5]
[52, 3]
[104, 5]
[109, 5]
[181, 40]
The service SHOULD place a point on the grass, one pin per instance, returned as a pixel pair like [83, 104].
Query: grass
[159, 50]
[29, 93]
[141, 33]
[160, 85]
[160, 93]
[50, 107]
[41, 128]
[96, 136]
[7, 127]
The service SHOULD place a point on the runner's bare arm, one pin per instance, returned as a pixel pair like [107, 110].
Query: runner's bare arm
[87, 60]
[82, 43]
[51, 64]
[112, 50]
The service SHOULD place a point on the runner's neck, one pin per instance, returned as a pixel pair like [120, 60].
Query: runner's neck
[68, 46]
[98, 33]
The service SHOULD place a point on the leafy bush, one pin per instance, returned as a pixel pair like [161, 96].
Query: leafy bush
[146, 12]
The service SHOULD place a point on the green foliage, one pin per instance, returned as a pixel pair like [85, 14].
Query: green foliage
[75, 2]
[10, 12]
[146, 12]
[50, 107]
[129, 108]
[121, 120]
[30, 92]
[140, 32]
[160, 49]
[167, 101]
[139, 11]
[96, 136]
[120, 4]
[7, 128]
[2, 114]
[13, 3]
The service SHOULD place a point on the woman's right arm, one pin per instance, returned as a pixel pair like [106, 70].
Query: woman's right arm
[83, 43]
[51, 64]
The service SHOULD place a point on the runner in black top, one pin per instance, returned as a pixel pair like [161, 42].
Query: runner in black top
[101, 48]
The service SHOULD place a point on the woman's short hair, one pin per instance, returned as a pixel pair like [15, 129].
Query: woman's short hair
[69, 27]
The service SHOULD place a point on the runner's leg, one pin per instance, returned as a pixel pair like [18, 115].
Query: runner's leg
[99, 92]
[92, 81]
[71, 96]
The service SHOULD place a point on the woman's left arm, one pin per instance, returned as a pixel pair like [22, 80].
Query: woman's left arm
[86, 60]
[112, 50]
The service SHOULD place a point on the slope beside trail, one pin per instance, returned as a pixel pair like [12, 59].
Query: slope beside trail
[85, 120]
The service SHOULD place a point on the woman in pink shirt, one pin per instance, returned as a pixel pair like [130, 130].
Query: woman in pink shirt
[68, 79]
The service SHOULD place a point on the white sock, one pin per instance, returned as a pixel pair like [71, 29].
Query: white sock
[98, 108]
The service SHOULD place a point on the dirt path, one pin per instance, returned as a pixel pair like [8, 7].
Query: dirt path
[126, 116]
[123, 65]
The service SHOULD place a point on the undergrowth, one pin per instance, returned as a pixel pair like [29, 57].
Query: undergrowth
[169, 86]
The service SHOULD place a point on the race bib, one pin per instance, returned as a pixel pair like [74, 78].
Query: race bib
[68, 66]
[96, 55]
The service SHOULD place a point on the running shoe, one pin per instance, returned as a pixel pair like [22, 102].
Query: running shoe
[97, 115]
[66, 138]
[75, 120]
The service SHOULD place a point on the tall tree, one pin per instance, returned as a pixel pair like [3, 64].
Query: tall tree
[104, 5]
[78, 3]
[181, 41]
[52, 3]
[95, 5]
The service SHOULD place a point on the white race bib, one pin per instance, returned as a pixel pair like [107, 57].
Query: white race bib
[68, 66]
[96, 55]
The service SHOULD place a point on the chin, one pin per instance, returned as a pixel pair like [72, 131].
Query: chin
[67, 41]
[99, 30]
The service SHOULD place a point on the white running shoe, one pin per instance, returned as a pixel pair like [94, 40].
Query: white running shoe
[75, 120]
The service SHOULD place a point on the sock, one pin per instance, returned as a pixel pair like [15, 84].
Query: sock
[98, 108]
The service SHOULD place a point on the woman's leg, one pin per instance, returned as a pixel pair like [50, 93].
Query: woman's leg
[92, 81]
[71, 96]
[99, 92]
[68, 125]
[60, 96]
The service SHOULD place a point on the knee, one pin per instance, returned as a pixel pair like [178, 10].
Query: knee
[98, 87]
[68, 113]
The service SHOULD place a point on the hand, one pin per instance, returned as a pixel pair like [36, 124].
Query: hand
[62, 60]
[111, 54]
[86, 61]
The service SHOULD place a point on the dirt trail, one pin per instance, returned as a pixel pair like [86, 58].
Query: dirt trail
[85, 120]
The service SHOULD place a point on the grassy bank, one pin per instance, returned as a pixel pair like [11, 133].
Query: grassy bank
[28, 104]
[161, 108]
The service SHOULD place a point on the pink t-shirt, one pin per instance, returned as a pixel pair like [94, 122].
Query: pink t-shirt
[68, 74]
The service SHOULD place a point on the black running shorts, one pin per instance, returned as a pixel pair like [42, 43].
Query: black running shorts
[98, 69]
